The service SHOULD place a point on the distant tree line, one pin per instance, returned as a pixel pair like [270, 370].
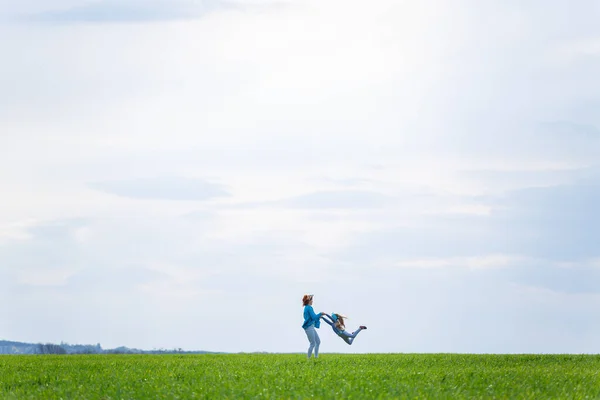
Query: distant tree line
[50, 348]
[10, 347]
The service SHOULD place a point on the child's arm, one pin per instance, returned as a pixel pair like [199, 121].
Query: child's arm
[328, 320]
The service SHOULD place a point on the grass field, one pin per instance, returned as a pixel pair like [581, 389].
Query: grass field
[291, 376]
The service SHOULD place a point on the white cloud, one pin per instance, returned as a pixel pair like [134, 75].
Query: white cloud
[163, 188]
[479, 262]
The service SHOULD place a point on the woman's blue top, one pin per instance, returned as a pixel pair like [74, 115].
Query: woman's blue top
[310, 318]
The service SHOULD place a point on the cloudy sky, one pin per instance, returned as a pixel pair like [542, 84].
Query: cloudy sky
[178, 173]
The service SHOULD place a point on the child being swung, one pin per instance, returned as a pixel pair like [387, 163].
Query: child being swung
[336, 321]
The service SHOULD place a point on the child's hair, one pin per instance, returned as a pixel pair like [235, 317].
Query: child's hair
[339, 321]
[306, 299]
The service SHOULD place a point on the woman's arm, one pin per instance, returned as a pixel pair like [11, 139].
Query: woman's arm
[311, 313]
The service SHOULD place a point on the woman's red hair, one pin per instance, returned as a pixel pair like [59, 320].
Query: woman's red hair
[306, 299]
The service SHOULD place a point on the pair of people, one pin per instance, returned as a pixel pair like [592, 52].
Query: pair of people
[312, 322]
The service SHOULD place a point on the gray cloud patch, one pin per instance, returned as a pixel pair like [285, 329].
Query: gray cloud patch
[338, 199]
[51, 245]
[130, 11]
[570, 130]
[565, 142]
[163, 188]
[345, 182]
[329, 199]
[558, 223]
[573, 279]
[459, 236]
[109, 279]
[499, 180]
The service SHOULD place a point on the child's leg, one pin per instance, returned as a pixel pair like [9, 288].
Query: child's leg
[346, 337]
[349, 337]
[329, 321]
[356, 332]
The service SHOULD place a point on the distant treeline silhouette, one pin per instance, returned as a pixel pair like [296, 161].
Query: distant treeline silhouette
[11, 347]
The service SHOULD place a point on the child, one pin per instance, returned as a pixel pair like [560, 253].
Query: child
[336, 321]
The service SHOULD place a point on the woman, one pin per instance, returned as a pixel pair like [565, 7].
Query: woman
[336, 321]
[311, 321]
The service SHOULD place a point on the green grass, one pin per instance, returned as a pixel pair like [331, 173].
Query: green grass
[285, 376]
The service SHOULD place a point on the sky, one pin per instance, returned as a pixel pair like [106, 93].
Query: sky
[178, 173]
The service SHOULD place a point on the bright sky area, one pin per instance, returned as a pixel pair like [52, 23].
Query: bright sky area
[177, 174]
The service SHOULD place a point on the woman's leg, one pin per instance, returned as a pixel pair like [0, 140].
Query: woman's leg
[310, 334]
[317, 344]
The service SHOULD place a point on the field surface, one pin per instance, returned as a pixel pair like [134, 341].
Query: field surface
[291, 376]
